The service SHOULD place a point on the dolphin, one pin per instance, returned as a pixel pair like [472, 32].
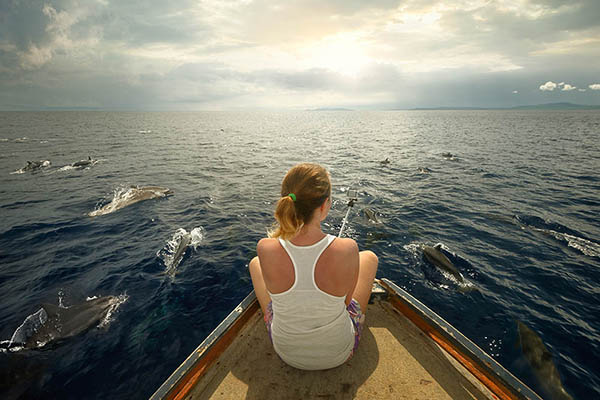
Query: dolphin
[371, 215]
[385, 162]
[424, 170]
[34, 166]
[132, 196]
[84, 163]
[541, 362]
[436, 257]
[182, 246]
[449, 156]
[52, 323]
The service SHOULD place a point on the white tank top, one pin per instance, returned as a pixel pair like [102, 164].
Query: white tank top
[311, 329]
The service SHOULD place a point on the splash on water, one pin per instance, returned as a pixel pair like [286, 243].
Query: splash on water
[414, 249]
[120, 195]
[72, 167]
[562, 233]
[173, 252]
[34, 322]
[61, 297]
[126, 195]
[115, 304]
[28, 168]
[587, 247]
[28, 328]
[415, 252]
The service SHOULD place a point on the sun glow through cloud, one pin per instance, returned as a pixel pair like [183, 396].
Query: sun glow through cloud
[219, 54]
[341, 53]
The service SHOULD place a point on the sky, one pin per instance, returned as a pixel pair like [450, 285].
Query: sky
[297, 54]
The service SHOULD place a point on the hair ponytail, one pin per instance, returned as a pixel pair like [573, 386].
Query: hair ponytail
[311, 186]
[287, 221]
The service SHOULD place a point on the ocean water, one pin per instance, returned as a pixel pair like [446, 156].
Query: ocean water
[518, 205]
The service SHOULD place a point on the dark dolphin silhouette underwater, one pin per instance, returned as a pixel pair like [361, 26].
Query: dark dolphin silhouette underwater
[540, 360]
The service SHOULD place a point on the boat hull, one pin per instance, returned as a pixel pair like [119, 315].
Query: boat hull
[406, 348]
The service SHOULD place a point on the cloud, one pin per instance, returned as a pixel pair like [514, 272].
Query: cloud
[35, 56]
[242, 53]
[548, 86]
[37, 31]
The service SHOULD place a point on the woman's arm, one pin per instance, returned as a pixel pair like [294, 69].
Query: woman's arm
[352, 262]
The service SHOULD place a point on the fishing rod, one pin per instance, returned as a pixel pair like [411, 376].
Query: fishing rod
[353, 195]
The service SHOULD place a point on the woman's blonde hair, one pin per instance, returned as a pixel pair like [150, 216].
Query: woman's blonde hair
[310, 185]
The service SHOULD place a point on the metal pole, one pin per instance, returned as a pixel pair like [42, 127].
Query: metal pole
[350, 204]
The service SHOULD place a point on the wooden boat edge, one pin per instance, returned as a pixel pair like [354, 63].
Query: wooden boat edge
[491, 373]
[183, 379]
[487, 370]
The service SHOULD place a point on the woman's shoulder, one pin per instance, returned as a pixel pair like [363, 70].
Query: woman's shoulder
[267, 244]
[345, 246]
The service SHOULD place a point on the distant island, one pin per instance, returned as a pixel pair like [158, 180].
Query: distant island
[330, 109]
[548, 106]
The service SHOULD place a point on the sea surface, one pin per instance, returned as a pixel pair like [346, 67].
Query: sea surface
[516, 204]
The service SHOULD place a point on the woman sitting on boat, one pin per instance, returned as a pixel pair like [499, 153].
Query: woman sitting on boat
[313, 288]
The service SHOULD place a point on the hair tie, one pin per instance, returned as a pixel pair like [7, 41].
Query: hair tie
[293, 196]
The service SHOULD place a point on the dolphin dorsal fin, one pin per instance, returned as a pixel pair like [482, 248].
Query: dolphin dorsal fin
[29, 162]
[90, 158]
[438, 246]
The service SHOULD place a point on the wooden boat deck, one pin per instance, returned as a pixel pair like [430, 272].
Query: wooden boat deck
[395, 360]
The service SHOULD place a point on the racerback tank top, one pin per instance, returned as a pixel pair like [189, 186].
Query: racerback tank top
[311, 329]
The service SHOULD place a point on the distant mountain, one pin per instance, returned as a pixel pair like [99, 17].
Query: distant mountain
[330, 109]
[557, 106]
[452, 108]
[548, 106]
